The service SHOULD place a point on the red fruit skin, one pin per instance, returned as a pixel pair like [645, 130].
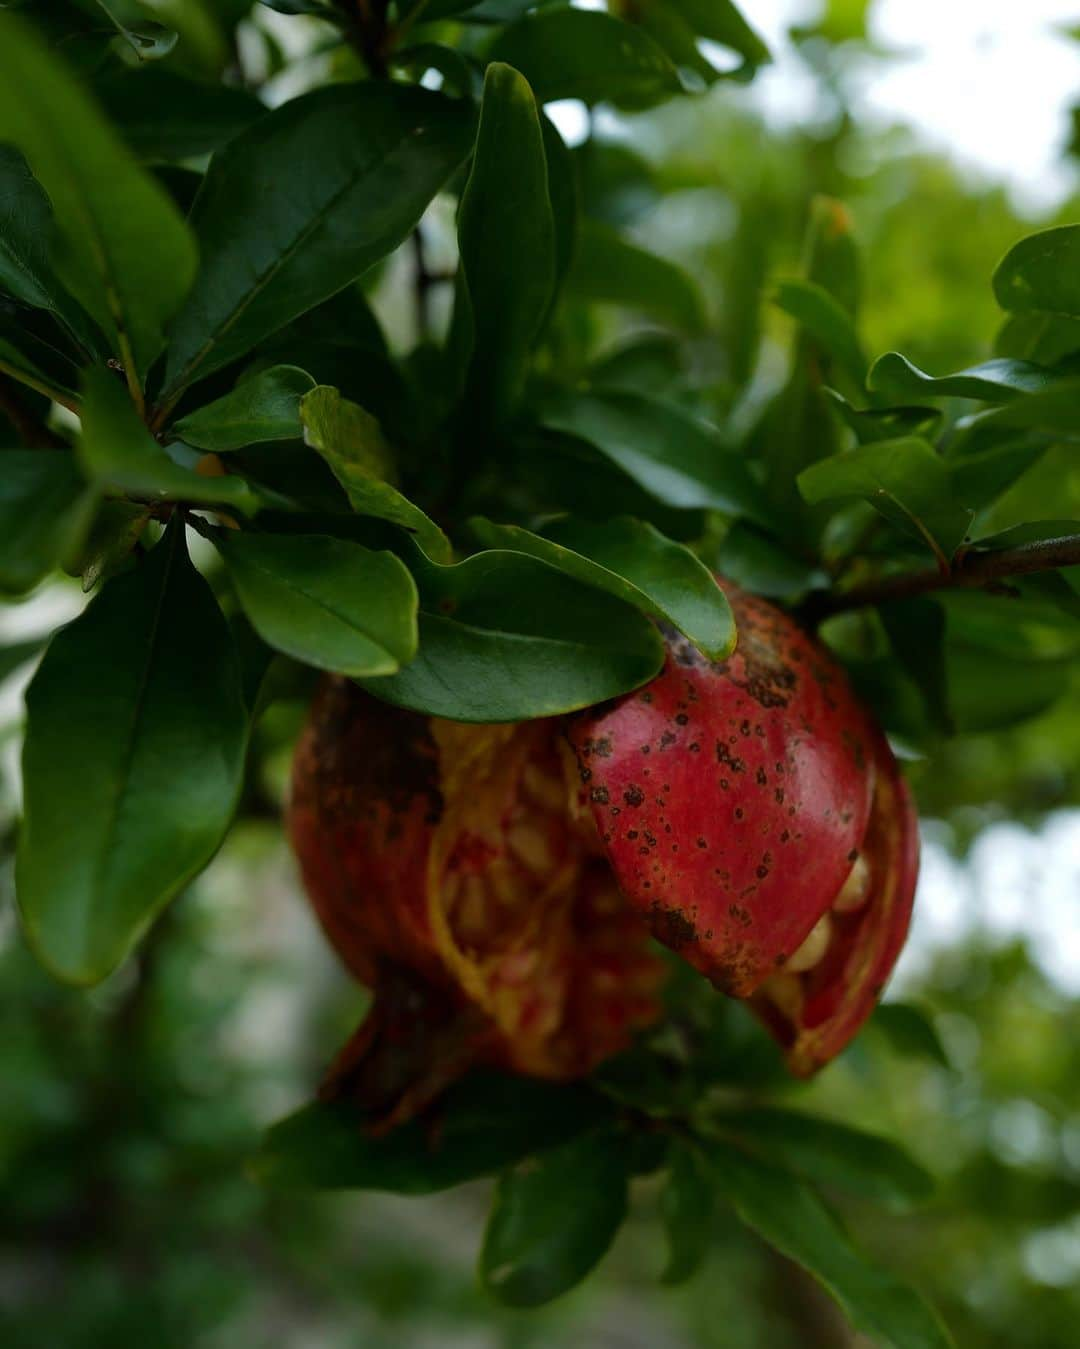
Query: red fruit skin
[448, 870]
[732, 799]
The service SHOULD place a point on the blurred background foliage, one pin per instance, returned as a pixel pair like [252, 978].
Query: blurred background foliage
[128, 1112]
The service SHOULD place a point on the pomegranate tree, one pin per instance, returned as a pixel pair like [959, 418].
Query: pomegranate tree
[496, 886]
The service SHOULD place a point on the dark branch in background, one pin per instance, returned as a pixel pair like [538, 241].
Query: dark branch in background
[972, 571]
[368, 32]
[423, 281]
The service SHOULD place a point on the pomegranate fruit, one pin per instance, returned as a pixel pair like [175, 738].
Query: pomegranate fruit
[453, 872]
[496, 886]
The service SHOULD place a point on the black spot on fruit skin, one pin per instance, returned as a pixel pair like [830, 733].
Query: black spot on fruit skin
[671, 927]
[633, 796]
[599, 795]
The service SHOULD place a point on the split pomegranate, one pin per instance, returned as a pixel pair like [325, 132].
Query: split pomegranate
[496, 886]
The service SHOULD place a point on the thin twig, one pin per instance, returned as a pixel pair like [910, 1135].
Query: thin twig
[971, 571]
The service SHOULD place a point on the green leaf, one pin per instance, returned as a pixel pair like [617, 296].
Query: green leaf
[554, 1219]
[870, 424]
[635, 562]
[991, 689]
[904, 480]
[1054, 410]
[831, 258]
[148, 40]
[916, 630]
[1042, 272]
[326, 602]
[26, 227]
[830, 1153]
[303, 202]
[121, 247]
[118, 452]
[827, 321]
[265, 406]
[45, 512]
[141, 694]
[505, 637]
[1043, 338]
[910, 1031]
[575, 53]
[564, 193]
[687, 1202]
[760, 564]
[352, 444]
[506, 239]
[680, 460]
[721, 21]
[790, 1217]
[997, 381]
[1036, 531]
[163, 116]
[607, 269]
[479, 1126]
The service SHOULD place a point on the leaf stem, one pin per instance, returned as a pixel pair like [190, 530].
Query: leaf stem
[970, 571]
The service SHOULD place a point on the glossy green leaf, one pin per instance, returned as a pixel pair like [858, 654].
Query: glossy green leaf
[506, 239]
[326, 602]
[827, 322]
[121, 247]
[45, 511]
[1042, 272]
[997, 381]
[910, 1031]
[265, 406]
[608, 269]
[677, 458]
[26, 227]
[479, 1126]
[573, 53]
[303, 202]
[635, 562]
[687, 1202]
[117, 451]
[352, 444]
[162, 115]
[828, 1152]
[142, 694]
[505, 637]
[554, 1218]
[904, 480]
[790, 1217]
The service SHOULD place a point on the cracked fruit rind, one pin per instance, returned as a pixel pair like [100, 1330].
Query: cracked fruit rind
[448, 870]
